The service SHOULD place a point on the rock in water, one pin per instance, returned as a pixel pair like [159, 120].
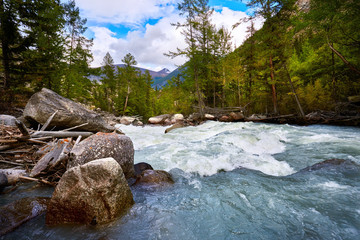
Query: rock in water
[154, 178]
[175, 126]
[43, 104]
[14, 214]
[140, 167]
[94, 193]
[103, 145]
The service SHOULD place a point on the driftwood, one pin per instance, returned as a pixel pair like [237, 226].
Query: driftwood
[72, 128]
[59, 134]
[22, 128]
[57, 154]
[11, 163]
[36, 180]
[46, 124]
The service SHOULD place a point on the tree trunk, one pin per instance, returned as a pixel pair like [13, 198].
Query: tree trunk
[273, 88]
[223, 88]
[294, 92]
[4, 47]
[352, 67]
[127, 99]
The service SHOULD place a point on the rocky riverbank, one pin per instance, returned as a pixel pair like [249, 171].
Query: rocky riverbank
[91, 168]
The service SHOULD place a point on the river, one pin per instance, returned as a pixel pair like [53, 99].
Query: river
[234, 181]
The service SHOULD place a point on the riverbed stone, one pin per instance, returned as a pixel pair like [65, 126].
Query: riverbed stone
[236, 116]
[104, 145]
[16, 213]
[159, 119]
[7, 120]
[209, 116]
[125, 120]
[140, 167]
[177, 118]
[93, 193]
[154, 178]
[43, 104]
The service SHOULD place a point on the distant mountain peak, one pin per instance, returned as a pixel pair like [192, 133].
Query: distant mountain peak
[165, 71]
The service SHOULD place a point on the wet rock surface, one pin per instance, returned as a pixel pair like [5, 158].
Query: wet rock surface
[103, 145]
[93, 193]
[44, 103]
[14, 214]
[154, 178]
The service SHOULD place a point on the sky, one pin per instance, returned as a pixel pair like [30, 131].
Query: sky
[143, 28]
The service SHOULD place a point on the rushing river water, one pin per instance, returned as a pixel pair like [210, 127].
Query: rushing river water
[235, 181]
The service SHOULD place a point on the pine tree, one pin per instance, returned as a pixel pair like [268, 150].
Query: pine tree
[77, 55]
[108, 82]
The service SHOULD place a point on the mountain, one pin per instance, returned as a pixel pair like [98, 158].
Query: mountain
[156, 76]
[162, 73]
[163, 81]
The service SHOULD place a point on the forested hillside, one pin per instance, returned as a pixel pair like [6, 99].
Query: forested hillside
[306, 57]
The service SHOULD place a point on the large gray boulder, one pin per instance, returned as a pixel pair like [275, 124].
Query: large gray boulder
[103, 145]
[94, 193]
[43, 104]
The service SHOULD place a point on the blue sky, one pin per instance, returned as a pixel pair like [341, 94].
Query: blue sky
[143, 28]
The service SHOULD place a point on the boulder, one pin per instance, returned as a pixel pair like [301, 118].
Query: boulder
[140, 167]
[44, 103]
[224, 119]
[177, 118]
[209, 117]
[236, 116]
[14, 214]
[127, 120]
[93, 193]
[159, 119]
[103, 145]
[137, 123]
[7, 120]
[175, 126]
[154, 178]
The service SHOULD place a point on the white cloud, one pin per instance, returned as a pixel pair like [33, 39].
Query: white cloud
[149, 44]
[124, 11]
[228, 18]
[148, 48]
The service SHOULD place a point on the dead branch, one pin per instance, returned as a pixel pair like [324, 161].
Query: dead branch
[22, 128]
[36, 180]
[12, 163]
[72, 128]
[59, 134]
[48, 121]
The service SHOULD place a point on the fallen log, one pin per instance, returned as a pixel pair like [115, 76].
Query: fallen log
[60, 134]
[12, 174]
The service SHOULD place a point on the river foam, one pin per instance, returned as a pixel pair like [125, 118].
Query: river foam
[211, 147]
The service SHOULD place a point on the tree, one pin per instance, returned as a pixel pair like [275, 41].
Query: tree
[108, 82]
[77, 55]
[130, 73]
